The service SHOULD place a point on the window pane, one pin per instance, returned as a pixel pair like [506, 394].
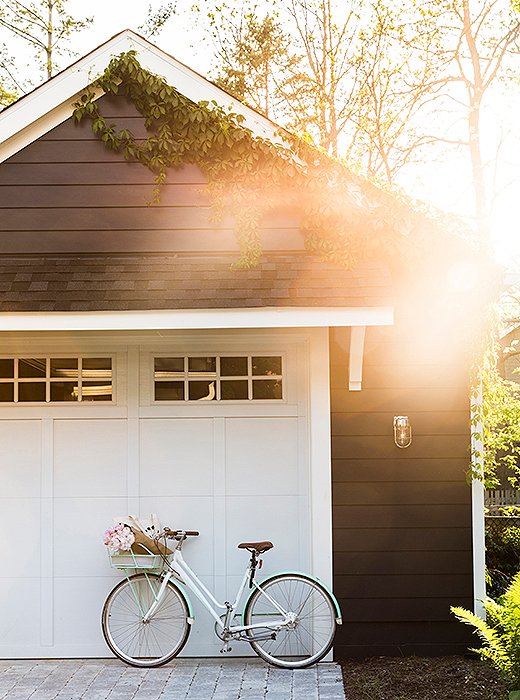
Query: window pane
[64, 367]
[31, 391]
[233, 390]
[201, 391]
[64, 391]
[267, 389]
[96, 391]
[6, 368]
[202, 365]
[233, 366]
[267, 365]
[6, 392]
[167, 365]
[169, 391]
[31, 367]
[96, 367]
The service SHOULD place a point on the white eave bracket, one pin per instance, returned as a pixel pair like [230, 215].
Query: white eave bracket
[355, 364]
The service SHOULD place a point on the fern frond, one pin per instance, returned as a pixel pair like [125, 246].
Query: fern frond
[486, 633]
[496, 646]
[512, 595]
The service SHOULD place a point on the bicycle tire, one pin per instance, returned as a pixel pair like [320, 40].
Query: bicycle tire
[311, 635]
[135, 642]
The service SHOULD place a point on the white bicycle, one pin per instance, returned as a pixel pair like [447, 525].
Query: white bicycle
[289, 619]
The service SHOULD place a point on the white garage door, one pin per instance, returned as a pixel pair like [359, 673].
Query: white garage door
[209, 431]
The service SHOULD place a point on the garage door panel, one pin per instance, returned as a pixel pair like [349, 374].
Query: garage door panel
[21, 536]
[78, 603]
[90, 457]
[176, 456]
[202, 638]
[20, 613]
[20, 457]
[274, 518]
[261, 456]
[233, 471]
[79, 524]
[188, 513]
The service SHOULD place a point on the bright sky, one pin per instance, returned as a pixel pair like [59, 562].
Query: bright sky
[182, 38]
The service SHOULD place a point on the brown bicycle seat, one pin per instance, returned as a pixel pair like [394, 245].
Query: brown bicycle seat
[258, 547]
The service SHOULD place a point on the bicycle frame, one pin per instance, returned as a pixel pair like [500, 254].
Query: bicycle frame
[180, 569]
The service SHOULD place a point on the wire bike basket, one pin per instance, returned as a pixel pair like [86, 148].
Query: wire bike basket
[138, 560]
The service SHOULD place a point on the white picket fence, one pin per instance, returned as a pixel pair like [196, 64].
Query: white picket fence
[502, 497]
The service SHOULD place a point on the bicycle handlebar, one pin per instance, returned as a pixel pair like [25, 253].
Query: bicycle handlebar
[179, 534]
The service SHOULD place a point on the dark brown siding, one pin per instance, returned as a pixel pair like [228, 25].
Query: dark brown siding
[401, 517]
[77, 233]
[67, 192]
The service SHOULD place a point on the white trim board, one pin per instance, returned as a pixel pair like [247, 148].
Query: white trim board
[477, 511]
[52, 102]
[189, 319]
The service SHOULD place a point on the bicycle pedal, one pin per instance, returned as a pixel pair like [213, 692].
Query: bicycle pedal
[225, 650]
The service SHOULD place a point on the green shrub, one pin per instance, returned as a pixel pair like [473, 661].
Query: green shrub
[502, 553]
[501, 633]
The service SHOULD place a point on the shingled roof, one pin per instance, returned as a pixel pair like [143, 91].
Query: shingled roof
[147, 282]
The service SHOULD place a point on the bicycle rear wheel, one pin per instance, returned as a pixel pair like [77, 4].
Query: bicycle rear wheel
[309, 634]
[140, 643]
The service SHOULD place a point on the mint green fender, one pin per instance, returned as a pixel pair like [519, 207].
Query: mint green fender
[339, 619]
[182, 590]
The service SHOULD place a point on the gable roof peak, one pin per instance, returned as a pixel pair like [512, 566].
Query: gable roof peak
[52, 103]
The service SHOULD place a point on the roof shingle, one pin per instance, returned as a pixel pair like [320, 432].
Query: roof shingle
[149, 282]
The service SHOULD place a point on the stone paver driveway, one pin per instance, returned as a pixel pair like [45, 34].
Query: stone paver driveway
[183, 679]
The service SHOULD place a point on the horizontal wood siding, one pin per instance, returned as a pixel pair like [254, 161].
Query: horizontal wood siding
[68, 193]
[401, 518]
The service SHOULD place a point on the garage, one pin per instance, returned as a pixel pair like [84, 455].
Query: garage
[145, 367]
[208, 429]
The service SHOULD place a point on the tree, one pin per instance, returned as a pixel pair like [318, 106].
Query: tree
[496, 405]
[474, 41]
[326, 34]
[501, 425]
[292, 62]
[155, 20]
[9, 85]
[252, 58]
[383, 85]
[44, 24]
[255, 60]
[394, 78]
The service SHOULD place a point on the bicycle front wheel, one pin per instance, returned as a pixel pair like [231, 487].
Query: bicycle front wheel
[303, 633]
[141, 642]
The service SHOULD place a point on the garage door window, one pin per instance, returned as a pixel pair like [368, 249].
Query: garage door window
[55, 379]
[218, 378]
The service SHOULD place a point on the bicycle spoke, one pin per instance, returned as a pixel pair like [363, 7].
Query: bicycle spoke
[138, 642]
[306, 633]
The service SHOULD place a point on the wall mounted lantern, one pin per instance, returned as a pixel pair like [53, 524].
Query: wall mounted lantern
[402, 431]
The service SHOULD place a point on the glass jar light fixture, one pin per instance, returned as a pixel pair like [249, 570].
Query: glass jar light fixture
[402, 431]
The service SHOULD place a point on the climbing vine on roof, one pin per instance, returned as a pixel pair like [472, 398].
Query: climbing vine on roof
[344, 218]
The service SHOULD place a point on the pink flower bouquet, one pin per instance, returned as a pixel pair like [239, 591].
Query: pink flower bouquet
[119, 537]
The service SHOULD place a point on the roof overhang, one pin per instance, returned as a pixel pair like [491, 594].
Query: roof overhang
[191, 319]
[357, 318]
[53, 102]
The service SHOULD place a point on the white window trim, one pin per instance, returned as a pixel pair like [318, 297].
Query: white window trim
[48, 380]
[186, 377]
